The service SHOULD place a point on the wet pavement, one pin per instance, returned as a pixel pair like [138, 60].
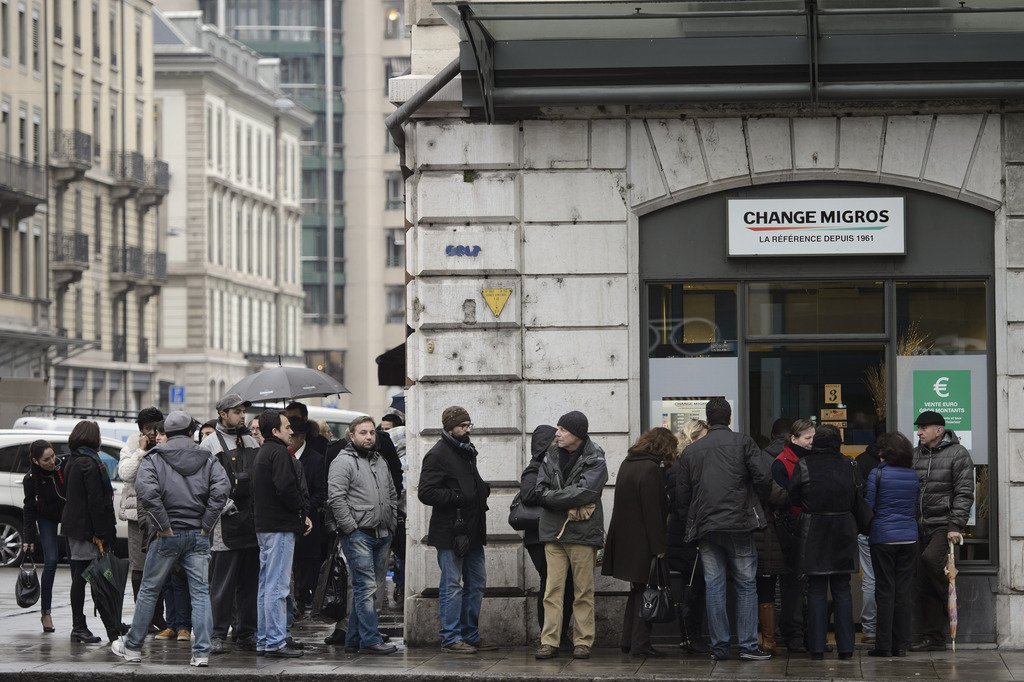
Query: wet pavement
[27, 654]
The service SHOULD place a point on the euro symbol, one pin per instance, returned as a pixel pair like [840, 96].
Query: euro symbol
[940, 387]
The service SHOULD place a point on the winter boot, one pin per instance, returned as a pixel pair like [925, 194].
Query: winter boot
[766, 619]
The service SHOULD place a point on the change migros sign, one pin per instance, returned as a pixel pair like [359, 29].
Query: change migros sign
[816, 227]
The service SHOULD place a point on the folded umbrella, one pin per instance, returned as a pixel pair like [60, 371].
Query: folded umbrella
[107, 576]
[951, 572]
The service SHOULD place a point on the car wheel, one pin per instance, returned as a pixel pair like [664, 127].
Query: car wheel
[10, 541]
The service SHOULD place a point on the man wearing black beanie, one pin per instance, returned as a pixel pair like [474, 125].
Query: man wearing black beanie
[569, 485]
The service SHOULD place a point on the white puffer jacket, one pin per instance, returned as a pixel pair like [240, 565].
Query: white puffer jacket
[127, 469]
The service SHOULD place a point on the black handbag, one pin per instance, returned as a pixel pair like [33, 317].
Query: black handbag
[656, 600]
[26, 590]
[460, 541]
[862, 512]
[330, 599]
[522, 516]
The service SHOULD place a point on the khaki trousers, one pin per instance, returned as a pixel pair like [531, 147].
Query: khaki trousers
[581, 560]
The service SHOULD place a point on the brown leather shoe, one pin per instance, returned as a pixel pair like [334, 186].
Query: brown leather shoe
[546, 651]
[581, 651]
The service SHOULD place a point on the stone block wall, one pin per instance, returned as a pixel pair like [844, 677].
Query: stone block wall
[554, 206]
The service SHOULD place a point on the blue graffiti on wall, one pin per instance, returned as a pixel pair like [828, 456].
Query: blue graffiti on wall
[462, 250]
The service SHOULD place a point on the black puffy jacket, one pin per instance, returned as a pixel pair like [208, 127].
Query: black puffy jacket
[946, 473]
[45, 493]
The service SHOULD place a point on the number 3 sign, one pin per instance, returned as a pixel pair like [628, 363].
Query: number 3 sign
[833, 394]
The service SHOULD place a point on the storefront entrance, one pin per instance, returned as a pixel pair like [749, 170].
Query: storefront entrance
[862, 342]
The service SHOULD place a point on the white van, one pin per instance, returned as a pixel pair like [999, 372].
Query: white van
[337, 419]
[117, 430]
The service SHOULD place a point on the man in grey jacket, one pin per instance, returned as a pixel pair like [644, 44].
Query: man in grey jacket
[722, 479]
[362, 499]
[182, 489]
[569, 486]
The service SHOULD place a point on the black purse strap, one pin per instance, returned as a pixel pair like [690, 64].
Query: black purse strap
[656, 576]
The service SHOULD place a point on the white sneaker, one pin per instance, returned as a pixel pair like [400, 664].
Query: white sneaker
[199, 662]
[119, 648]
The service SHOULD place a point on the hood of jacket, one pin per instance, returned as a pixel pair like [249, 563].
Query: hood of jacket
[182, 454]
[543, 435]
[638, 455]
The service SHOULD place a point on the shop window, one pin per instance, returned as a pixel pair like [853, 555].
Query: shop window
[815, 308]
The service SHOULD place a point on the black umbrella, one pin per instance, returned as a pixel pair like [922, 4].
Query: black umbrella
[107, 575]
[286, 383]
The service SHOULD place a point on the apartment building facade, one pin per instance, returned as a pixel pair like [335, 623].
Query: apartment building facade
[233, 300]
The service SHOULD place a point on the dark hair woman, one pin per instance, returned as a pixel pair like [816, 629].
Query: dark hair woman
[824, 486]
[88, 520]
[892, 492]
[636, 533]
[45, 491]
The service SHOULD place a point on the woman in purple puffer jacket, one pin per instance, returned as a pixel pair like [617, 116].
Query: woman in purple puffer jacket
[892, 492]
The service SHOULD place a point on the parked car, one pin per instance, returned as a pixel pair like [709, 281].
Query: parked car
[14, 464]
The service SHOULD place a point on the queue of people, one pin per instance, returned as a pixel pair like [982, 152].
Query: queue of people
[236, 505]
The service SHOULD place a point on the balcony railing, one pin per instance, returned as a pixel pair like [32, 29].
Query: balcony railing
[156, 266]
[128, 167]
[143, 349]
[126, 260]
[73, 147]
[120, 348]
[158, 175]
[71, 249]
[22, 177]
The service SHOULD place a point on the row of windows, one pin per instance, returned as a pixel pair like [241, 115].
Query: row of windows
[22, 258]
[21, 135]
[96, 26]
[243, 237]
[250, 153]
[241, 324]
[26, 33]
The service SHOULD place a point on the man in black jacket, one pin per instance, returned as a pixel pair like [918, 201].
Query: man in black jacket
[946, 472]
[721, 478]
[451, 484]
[280, 513]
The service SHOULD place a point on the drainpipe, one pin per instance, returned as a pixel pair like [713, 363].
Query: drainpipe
[402, 114]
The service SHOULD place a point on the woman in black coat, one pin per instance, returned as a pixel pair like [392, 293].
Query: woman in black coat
[543, 436]
[45, 491]
[636, 534]
[88, 520]
[824, 485]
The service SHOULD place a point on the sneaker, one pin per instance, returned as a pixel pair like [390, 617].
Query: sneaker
[246, 644]
[217, 645]
[285, 652]
[755, 655]
[546, 651]
[483, 645]
[199, 662]
[184, 635]
[581, 652]
[458, 647]
[119, 648]
[380, 648]
[167, 634]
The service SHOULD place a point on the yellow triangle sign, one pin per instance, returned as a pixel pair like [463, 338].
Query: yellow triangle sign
[496, 299]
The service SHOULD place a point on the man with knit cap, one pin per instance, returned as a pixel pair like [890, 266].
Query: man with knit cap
[569, 486]
[451, 484]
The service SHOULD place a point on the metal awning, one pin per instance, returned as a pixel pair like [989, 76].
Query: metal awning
[517, 55]
[21, 347]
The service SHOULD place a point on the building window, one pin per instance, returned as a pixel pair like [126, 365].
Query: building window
[5, 126]
[22, 36]
[395, 248]
[138, 51]
[36, 62]
[95, 31]
[394, 22]
[114, 38]
[5, 30]
[76, 24]
[395, 305]
[395, 67]
[37, 142]
[23, 134]
[58, 29]
[331, 362]
[395, 198]
[78, 210]
[97, 216]
[96, 149]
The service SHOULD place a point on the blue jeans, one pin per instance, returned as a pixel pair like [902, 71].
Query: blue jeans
[817, 611]
[191, 549]
[367, 560]
[176, 603]
[869, 609]
[48, 542]
[736, 554]
[461, 594]
[276, 550]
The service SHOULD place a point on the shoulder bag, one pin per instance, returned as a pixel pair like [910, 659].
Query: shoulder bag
[522, 516]
[656, 599]
[862, 513]
[26, 590]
